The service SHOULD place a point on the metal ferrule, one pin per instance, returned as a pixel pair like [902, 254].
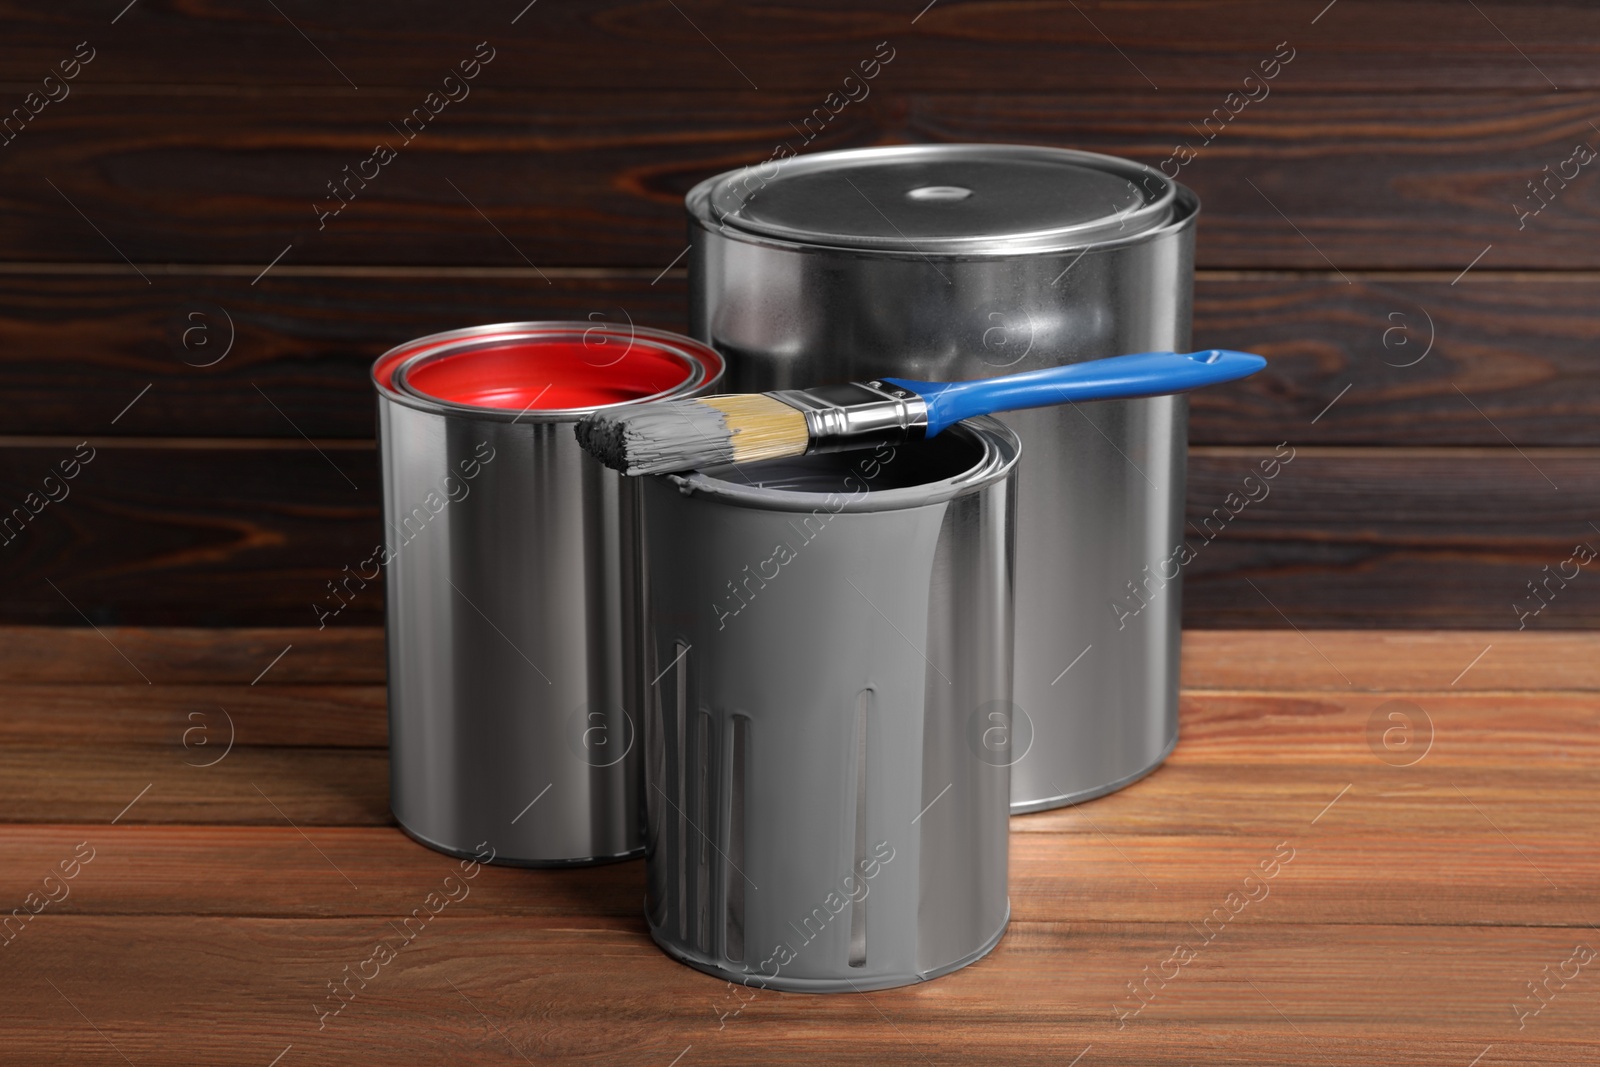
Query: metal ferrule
[856, 414]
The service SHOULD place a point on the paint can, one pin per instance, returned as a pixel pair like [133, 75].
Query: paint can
[829, 638]
[950, 262]
[513, 600]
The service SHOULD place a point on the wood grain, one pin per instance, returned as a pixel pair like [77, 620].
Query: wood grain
[1417, 355]
[213, 531]
[1322, 182]
[192, 656]
[1339, 214]
[206, 927]
[201, 533]
[1221, 725]
[1537, 748]
[1399, 662]
[334, 788]
[274, 786]
[1363, 538]
[1299, 180]
[199, 719]
[1274, 660]
[982, 45]
[1495, 357]
[75, 348]
[478, 989]
[1339, 874]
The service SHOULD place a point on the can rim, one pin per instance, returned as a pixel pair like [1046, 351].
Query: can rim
[402, 382]
[1154, 216]
[1002, 449]
[704, 366]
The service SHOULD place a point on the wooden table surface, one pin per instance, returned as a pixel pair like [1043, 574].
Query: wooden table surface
[1425, 879]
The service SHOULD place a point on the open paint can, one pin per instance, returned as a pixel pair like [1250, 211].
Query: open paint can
[829, 648]
[946, 262]
[513, 598]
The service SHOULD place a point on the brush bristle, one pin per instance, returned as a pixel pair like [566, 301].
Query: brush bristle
[761, 427]
[687, 434]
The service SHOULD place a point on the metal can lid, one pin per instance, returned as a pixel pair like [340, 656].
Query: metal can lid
[941, 199]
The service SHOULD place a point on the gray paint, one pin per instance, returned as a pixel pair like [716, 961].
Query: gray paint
[653, 438]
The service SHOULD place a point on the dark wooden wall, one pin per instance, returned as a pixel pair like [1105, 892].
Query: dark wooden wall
[1340, 214]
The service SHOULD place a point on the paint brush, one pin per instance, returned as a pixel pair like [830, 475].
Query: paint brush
[741, 428]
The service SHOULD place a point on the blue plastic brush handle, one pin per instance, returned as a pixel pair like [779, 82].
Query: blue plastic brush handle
[1116, 378]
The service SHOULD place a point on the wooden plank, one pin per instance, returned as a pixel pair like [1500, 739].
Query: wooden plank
[1245, 661]
[1525, 757]
[984, 45]
[1320, 182]
[1453, 729]
[1348, 538]
[1476, 723]
[1390, 661]
[467, 987]
[75, 346]
[1344, 538]
[1432, 798]
[310, 787]
[592, 178]
[1397, 360]
[250, 658]
[1335, 875]
[1103, 873]
[202, 533]
[203, 720]
[215, 870]
[215, 349]
[1411, 908]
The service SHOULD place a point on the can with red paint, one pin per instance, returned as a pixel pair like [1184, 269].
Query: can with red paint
[513, 601]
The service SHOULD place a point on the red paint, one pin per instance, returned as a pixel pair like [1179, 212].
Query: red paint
[554, 374]
[389, 362]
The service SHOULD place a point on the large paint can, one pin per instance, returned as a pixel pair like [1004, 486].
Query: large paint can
[513, 600]
[950, 262]
[829, 639]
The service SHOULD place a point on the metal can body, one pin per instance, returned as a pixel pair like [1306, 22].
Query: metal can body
[1101, 490]
[513, 622]
[827, 811]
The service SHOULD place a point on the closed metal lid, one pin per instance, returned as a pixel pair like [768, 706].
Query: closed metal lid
[947, 198]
